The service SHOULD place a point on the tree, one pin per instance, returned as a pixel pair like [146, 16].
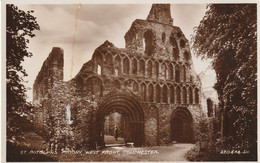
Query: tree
[228, 34]
[19, 27]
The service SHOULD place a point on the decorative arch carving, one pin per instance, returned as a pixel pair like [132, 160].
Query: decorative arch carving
[108, 65]
[143, 91]
[135, 87]
[184, 73]
[150, 69]
[184, 95]
[165, 94]
[157, 69]
[151, 92]
[164, 70]
[129, 107]
[177, 73]
[109, 58]
[170, 72]
[134, 66]
[117, 66]
[158, 93]
[126, 65]
[178, 93]
[190, 95]
[142, 67]
[172, 94]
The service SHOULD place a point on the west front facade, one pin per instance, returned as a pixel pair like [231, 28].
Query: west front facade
[151, 83]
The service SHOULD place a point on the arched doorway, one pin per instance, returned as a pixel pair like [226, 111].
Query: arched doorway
[114, 129]
[132, 112]
[181, 126]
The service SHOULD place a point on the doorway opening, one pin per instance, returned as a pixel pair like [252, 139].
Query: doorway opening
[126, 114]
[114, 129]
[181, 126]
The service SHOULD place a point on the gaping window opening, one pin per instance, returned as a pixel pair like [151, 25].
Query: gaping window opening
[68, 113]
[165, 94]
[116, 71]
[150, 93]
[98, 69]
[126, 66]
[148, 42]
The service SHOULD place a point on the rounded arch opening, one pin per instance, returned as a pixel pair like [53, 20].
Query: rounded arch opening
[132, 112]
[181, 126]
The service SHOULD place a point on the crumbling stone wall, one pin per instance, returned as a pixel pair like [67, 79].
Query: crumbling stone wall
[50, 73]
[154, 71]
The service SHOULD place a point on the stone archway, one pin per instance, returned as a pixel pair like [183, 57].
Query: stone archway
[131, 109]
[181, 126]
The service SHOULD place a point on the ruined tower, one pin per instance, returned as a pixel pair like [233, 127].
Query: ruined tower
[151, 83]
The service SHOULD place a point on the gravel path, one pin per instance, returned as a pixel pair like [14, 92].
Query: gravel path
[175, 152]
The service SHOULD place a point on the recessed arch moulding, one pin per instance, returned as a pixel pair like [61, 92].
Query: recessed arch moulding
[146, 82]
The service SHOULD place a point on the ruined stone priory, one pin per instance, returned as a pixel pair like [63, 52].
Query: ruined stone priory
[151, 83]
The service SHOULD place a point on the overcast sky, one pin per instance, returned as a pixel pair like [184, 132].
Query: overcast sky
[89, 26]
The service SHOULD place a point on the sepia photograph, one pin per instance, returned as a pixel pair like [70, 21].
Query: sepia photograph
[131, 82]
